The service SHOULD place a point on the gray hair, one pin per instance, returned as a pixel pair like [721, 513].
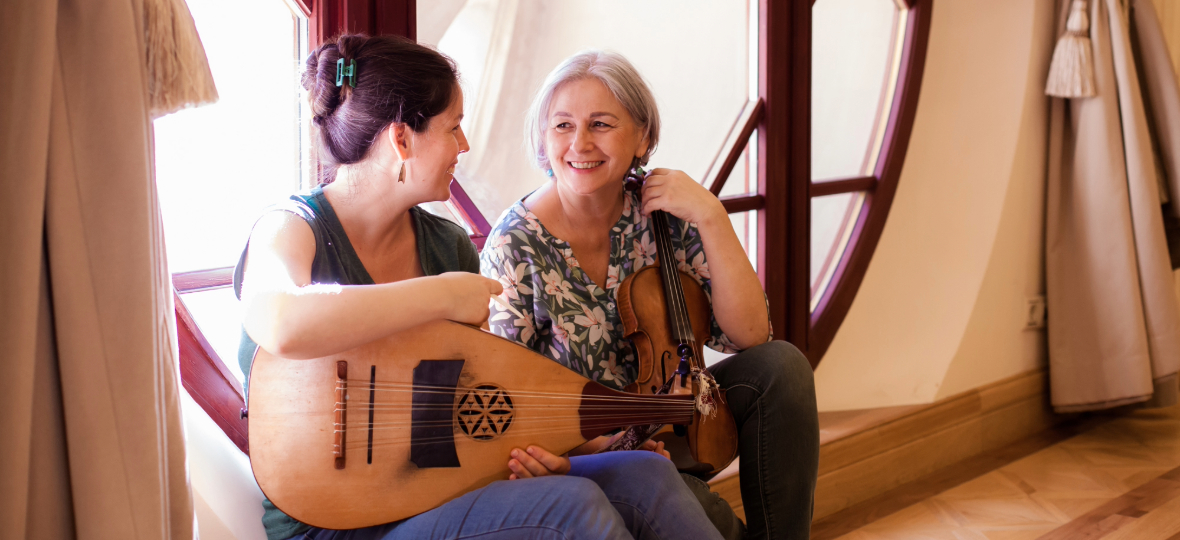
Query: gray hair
[618, 75]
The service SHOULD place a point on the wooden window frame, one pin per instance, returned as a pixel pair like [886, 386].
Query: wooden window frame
[879, 188]
[785, 188]
[782, 117]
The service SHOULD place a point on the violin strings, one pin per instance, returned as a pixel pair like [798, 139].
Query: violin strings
[671, 278]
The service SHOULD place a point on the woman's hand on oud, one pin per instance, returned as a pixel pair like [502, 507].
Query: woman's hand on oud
[678, 194]
[657, 447]
[468, 296]
[534, 462]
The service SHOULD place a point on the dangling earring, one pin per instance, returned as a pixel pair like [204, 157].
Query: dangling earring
[401, 174]
[635, 175]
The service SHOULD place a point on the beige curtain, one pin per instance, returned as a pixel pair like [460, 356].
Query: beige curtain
[1114, 319]
[93, 444]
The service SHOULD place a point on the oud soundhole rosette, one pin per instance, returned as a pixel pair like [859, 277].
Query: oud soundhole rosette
[484, 412]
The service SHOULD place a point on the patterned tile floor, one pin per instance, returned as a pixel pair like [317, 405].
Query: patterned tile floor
[1120, 479]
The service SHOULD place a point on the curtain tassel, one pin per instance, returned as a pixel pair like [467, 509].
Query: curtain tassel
[1071, 72]
[177, 70]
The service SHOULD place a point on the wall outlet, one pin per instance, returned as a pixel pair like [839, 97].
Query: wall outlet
[1035, 312]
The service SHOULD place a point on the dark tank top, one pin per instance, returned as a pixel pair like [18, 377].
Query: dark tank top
[442, 247]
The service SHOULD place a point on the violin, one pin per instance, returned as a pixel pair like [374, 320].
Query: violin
[665, 314]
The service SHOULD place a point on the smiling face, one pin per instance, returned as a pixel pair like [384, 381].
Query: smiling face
[590, 138]
[435, 152]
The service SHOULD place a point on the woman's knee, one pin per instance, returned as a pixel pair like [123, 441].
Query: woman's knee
[578, 503]
[576, 491]
[647, 469]
[794, 369]
[778, 363]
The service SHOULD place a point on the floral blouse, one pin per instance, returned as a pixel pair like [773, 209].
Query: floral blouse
[567, 316]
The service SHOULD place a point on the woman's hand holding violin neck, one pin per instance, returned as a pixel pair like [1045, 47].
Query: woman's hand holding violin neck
[535, 462]
[738, 302]
[467, 296]
[678, 194]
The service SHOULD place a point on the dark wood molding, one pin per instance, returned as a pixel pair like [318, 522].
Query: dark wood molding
[207, 379]
[784, 164]
[849, 273]
[735, 143]
[304, 6]
[203, 280]
[466, 210]
[395, 17]
[842, 185]
[743, 203]
[330, 18]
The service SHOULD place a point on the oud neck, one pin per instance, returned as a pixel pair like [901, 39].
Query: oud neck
[603, 409]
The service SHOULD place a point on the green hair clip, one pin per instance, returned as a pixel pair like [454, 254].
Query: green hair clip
[342, 72]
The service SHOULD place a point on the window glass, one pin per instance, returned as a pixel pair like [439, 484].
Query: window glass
[219, 315]
[745, 224]
[219, 165]
[744, 178]
[833, 218]
[695, 54]
[853, 44]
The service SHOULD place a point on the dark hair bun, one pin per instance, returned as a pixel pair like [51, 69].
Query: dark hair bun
[397, 81]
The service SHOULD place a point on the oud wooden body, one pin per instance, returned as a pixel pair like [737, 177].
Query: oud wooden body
[712, 441]
[292, 421]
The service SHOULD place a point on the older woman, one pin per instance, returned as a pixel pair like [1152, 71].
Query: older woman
[562, 251]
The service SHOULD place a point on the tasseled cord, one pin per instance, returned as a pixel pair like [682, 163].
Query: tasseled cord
[707, 388]
[178, 73]
[1071, 73]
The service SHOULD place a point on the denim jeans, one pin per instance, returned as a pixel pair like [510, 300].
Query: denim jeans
[613, 496]
[771, 392]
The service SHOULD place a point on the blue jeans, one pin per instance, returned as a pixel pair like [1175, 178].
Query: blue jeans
[615, 496]
[771, 392]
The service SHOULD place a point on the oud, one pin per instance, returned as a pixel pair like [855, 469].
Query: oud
[404, 424]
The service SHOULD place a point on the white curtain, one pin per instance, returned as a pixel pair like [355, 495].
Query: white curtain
[94, 446]
[1114, 318]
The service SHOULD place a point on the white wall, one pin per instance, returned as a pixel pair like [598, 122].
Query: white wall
[226, 498]
[943, 305]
